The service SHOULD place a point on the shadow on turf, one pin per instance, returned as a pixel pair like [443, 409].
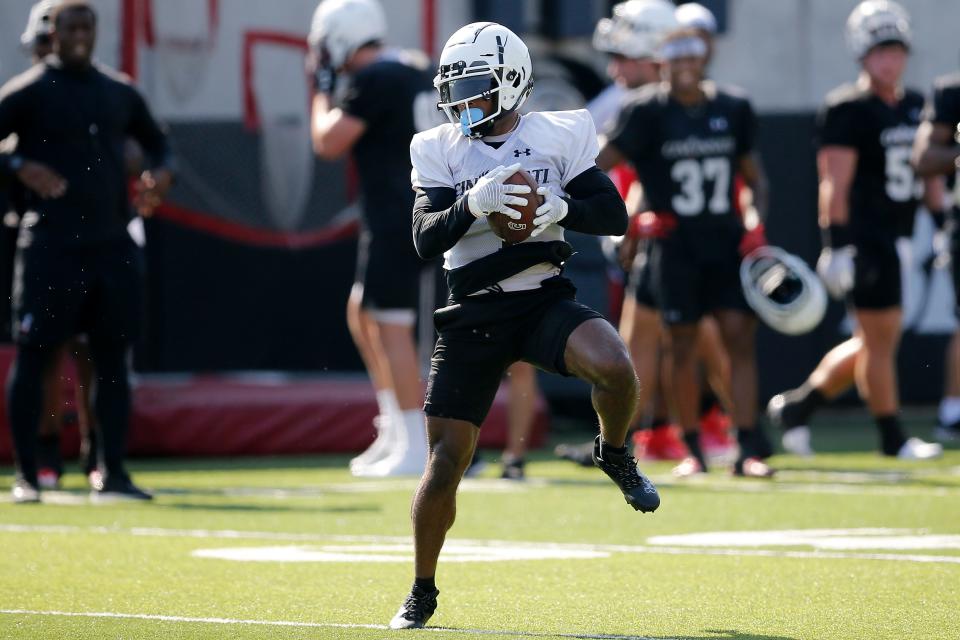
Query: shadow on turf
[715, 634]
[260, 508]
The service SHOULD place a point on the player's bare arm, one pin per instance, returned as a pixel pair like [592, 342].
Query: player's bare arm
[934, 149]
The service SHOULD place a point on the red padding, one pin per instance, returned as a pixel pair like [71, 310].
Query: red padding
[220, 416]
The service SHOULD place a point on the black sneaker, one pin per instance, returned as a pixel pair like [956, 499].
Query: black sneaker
[416, 609]
[581, 454]
[118, 489]
[637, 489]
[513, 469]
[24, 491]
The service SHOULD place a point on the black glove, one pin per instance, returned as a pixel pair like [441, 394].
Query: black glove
[324, 79]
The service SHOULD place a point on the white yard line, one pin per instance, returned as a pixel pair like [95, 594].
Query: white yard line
[311, 625]
[230, 534]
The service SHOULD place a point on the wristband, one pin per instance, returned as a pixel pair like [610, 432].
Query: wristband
[836, 236]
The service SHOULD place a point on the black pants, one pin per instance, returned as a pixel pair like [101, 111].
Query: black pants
[58, 293]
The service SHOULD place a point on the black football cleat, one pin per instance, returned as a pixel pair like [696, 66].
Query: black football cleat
[118, 488]
[416, 609]
[514, 469]
[637, 489]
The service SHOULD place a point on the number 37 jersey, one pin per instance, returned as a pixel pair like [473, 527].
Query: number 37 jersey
[884, 192]
[686, 157]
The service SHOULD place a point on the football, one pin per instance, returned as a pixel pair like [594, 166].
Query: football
[514, 231]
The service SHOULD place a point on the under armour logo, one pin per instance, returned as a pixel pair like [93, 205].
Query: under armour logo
[517, 152]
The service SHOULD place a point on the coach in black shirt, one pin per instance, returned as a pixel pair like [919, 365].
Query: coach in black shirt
[77, 268]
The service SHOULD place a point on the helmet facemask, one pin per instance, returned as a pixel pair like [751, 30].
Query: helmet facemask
[460, 85]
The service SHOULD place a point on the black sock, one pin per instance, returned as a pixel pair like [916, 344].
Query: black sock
[428, 585]
[747, 439]
[891, 435]
[801, 404]
[659, 423]
[692, 439]
[707, 401]
[606, 447]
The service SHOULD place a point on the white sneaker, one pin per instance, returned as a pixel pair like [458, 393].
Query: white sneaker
[24, 493]
[917, 449]
[796, 440]
[380, 448]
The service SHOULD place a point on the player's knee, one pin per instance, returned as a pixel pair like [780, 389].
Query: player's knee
[445, 467]
[616, 372]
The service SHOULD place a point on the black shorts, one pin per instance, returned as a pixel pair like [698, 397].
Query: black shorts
[480, 337]
[640, 280]
[389, 269]
[876, 280]
[59, 292]
[696, 273]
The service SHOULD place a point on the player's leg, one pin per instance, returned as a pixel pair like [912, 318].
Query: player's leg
[49, 459]
[114, 320]
[391, 297]
[792, 410]
[521, 404]
[715, 399]
[465, 372]
[685, 385]
[739, 336]
[86, 418]
[595, 353]
[948, 427]
[876, 299]
[363, 330]
[46, 302]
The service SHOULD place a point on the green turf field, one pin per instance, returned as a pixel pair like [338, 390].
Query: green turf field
[855, 547]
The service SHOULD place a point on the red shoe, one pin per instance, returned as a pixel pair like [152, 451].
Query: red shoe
[659, 443]
[715, 437]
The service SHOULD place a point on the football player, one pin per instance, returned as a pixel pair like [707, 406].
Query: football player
[868, 192]
[935, 153]
[631, 39]
[37, 42]
[78, 268]
[693, 15]
[374, 120]
[686, 138]
[507, 303]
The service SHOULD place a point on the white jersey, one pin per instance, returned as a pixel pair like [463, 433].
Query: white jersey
[552, 146]
[606, 106]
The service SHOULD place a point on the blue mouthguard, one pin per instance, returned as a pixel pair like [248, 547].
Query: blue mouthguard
[468, 117]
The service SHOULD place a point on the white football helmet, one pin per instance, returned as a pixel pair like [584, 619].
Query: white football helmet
[692, 15]
[636, 29]
[340, 27]
[38, 24]
[874, 22]
[482, 60]
[786, 294]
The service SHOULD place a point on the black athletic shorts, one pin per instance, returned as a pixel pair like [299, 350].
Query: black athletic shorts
[640, 279]
[481, 336]
[389, 269]
[695, 273]
[60, 291]
[876, 280]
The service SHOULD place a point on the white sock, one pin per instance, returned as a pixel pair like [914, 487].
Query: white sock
[387, 403]
[416, 430]
[949, 410]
